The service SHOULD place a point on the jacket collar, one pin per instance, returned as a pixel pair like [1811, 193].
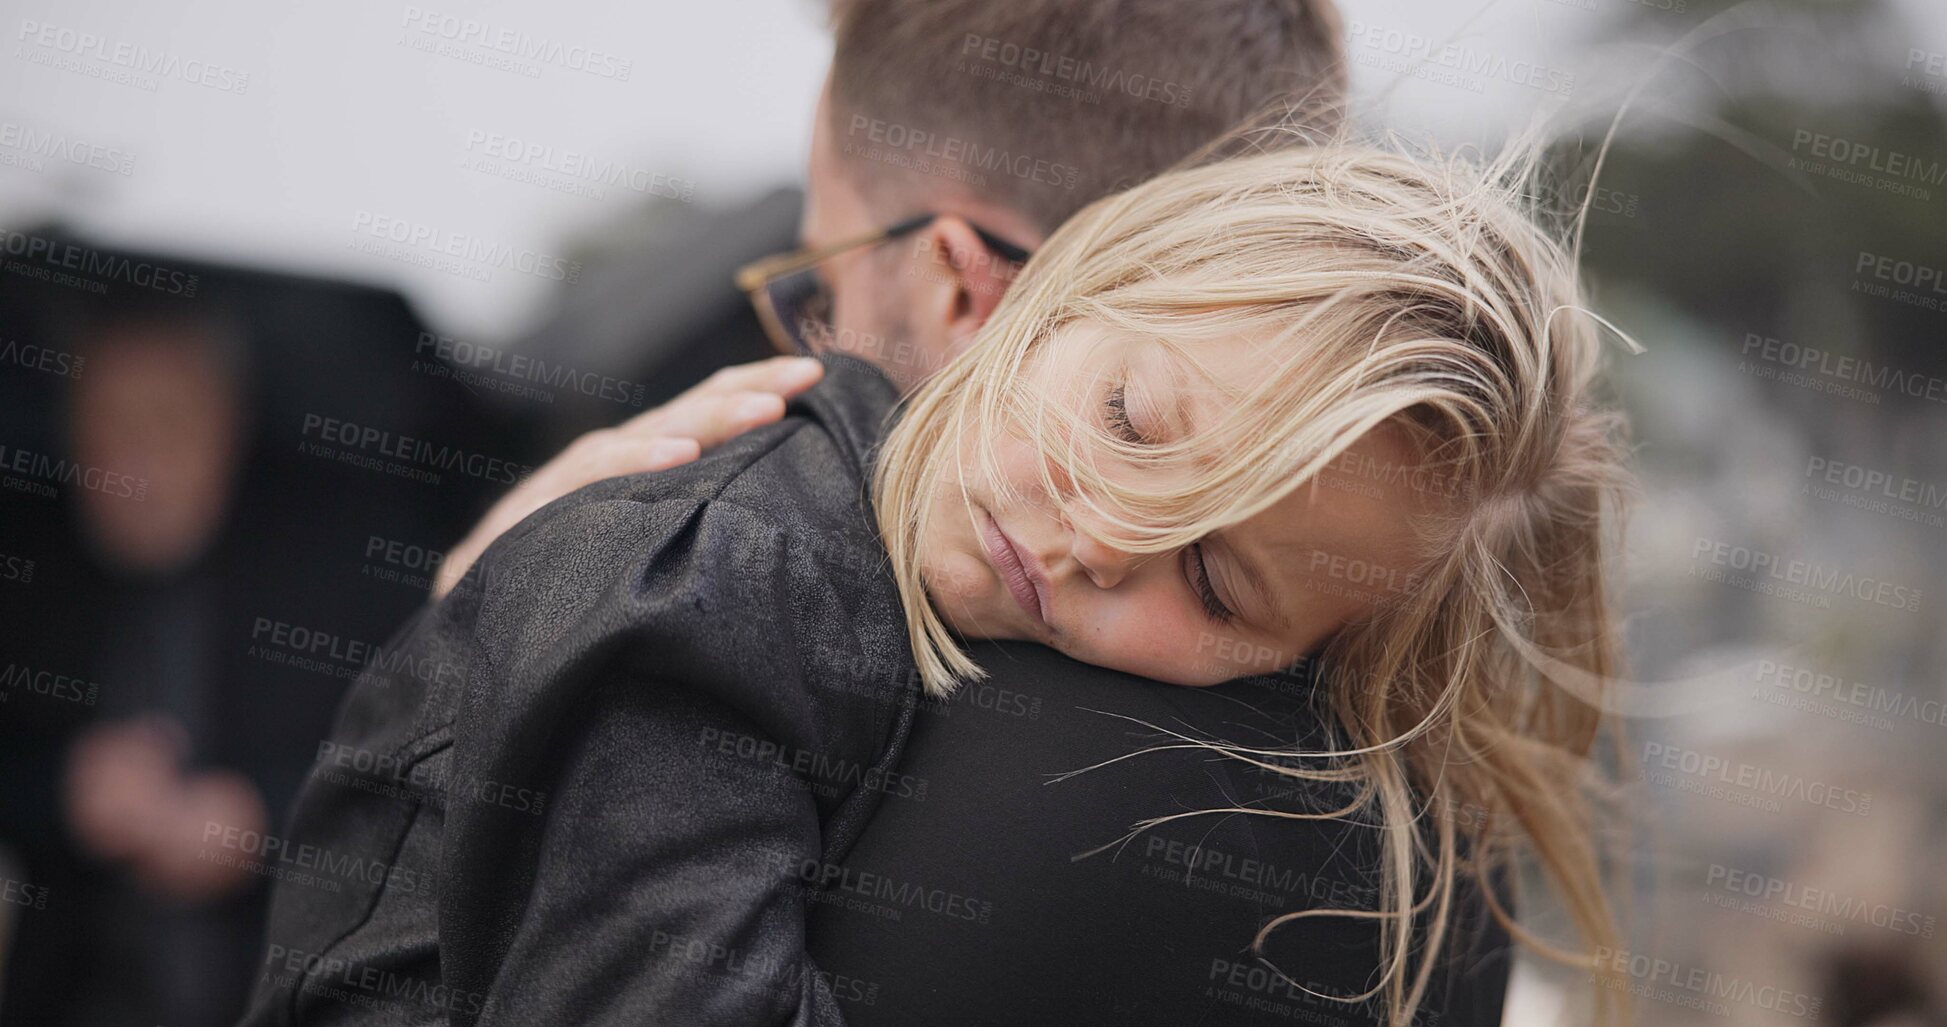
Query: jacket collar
[855, 401]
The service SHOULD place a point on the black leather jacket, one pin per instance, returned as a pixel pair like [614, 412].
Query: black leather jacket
[618, 775]
[585, 786]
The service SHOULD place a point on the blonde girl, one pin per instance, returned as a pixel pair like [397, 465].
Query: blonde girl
[1332, 401]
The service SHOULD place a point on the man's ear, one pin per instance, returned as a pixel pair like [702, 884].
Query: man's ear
[972, 278]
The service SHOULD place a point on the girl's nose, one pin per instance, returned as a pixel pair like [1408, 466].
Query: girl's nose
[1105, 565]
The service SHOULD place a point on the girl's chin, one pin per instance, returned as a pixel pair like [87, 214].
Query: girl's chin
[976, 625]
[980, 618]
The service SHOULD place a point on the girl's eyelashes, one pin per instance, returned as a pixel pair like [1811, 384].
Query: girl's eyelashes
[1199, 576]
[1194, 570]
[1117, 407]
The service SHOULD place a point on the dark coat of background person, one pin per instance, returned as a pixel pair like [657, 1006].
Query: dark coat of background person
[980, 903]
[305, 541]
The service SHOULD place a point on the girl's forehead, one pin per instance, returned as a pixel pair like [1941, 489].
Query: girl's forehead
[1220, 363]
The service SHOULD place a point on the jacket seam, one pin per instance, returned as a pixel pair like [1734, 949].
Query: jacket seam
[378, 892]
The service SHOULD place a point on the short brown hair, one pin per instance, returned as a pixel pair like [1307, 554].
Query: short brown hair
[1048, 105]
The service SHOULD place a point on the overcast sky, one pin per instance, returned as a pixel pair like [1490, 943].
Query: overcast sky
[307, 136]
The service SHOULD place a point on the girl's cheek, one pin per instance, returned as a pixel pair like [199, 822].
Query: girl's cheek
[957, 577]
[1019, 465]
[1148, 635]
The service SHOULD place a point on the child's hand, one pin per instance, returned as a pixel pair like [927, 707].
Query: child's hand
[720, 408]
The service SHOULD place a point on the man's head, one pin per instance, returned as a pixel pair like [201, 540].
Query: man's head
[1012, 115]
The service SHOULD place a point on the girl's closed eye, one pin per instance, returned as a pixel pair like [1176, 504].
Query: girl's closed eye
[1120, 425]
[1195, 571]
[1198, 574]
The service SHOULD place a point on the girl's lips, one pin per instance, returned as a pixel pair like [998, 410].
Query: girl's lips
[1022, 583]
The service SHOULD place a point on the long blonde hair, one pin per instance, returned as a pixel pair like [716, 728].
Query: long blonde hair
[1404, 290]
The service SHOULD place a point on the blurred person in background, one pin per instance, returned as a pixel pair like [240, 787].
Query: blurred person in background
[179, 518]
[163, 401]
